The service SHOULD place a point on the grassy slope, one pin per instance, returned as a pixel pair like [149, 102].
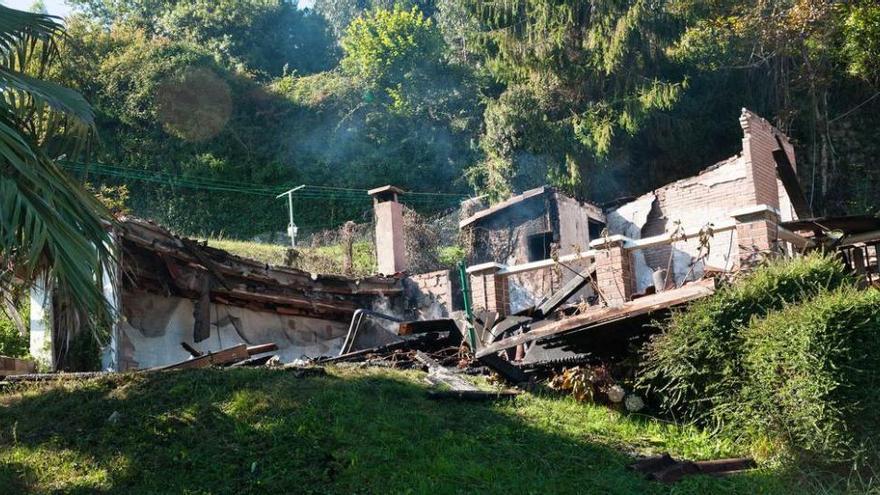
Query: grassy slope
[353, 431]
[325, 259]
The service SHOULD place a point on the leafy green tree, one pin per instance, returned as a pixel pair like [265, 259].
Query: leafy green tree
[596, 71]
[267, 37]
[796, 61]
[340, 13]
[49, 226]
[393, 52]
[861, 45]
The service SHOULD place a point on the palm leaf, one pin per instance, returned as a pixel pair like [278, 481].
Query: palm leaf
[56, 97]
[49, 225]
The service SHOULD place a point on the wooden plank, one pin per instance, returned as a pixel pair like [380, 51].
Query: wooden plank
[790, 182]
[426, 326]
[798, 241]
[629, 309]
[222, 357]
[202, 310]
[473, 395]
[503, 367]
[564, 294]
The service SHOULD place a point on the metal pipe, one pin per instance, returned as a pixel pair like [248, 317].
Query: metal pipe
[355, 325]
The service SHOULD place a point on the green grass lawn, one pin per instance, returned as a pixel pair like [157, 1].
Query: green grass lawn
[352, 431]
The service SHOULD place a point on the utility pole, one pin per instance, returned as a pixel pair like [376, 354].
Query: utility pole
[291, 227]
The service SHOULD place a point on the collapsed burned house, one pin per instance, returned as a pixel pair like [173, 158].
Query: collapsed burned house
[653, 257]
[171, 290]
[552, 277]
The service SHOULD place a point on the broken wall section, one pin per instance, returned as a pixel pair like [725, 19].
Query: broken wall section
[433, 295]
[154, 326]
[709, 198]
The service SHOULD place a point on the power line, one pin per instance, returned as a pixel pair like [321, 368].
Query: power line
[313, 192]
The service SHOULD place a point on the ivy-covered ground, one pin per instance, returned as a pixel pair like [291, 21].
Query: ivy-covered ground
[351, 431]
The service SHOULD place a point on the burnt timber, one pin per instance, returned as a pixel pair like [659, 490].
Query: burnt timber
[157, 261]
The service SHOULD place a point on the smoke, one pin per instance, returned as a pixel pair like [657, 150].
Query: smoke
[195, 105]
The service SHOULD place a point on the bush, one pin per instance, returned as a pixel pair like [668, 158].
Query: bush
[12, 343]
[693, 368]
[812, 370]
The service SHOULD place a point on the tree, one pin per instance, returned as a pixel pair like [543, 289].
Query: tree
[49, 226]
[595, 73]
[861, 46]
[393, 52]
[340, 13]
[807, 65]
[264, 37]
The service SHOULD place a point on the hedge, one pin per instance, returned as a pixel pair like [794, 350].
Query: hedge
[692, 370]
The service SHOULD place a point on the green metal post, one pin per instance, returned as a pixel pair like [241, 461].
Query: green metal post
[466, 294]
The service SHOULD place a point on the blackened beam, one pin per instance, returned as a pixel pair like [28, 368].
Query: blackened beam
[425, 326]
[473, 395]
[569, 289]
[412, 343]
[789, 178]
[597, 316]
[504, 368]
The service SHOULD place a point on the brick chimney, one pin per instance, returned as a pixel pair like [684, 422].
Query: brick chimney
[390, 245]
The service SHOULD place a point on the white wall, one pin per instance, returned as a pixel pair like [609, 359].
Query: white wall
[154, 326]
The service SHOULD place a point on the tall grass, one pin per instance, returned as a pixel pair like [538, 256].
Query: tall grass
[693, 368]
[812, 372]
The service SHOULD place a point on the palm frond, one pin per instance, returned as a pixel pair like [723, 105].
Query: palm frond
[56, 97]
[49, 225]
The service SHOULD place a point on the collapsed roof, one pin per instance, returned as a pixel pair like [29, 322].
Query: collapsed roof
[155, 260]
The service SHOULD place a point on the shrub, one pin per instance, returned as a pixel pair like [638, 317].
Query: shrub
[812, 371]
[12, 343]
[692, 368]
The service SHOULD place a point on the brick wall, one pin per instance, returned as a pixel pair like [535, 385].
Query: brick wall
[614, 272]
[693, 203]
[759, 141]
[436, 294]
[756, 231]
[745, 180]
[15, 366]
[490, 291]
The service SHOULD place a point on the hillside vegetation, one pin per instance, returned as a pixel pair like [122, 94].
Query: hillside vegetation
[783, 360]
[207, 110]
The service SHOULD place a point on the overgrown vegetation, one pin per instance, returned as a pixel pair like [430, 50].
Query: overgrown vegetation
[693, 367]
[811, 375]
[12, 342]
[782, 360]
[322, 259]
[353, 431]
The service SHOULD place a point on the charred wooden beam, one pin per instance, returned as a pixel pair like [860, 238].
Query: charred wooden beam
[504, 368]
[222, 357]
[790, 181]
[599, 316]
[473, 395]
[559, 297]
[666, 469]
